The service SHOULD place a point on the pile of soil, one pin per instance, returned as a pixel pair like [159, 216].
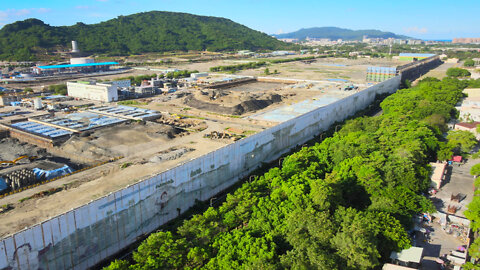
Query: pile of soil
[239, 109]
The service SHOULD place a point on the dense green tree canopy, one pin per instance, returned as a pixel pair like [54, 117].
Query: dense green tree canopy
[462, 141]
[154, 31]
[343, 203]
[458, 72]
[475, 170]
[469, 63]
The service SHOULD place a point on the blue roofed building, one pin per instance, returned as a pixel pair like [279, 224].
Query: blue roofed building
[414, 56]
[74, 68]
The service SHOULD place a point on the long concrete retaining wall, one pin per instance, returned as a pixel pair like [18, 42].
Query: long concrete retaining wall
[87, 235]
[415, 70]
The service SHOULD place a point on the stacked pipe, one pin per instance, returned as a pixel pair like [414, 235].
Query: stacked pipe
[21, 178]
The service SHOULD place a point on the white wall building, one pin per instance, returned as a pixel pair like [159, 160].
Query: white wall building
[198, 75]
[87, 90]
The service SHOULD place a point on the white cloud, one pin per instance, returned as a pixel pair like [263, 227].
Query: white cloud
[416, 30]
[82, 7]
[3, 16]
[96, 15]
[43, 10]
[10, 15]
[21, 12]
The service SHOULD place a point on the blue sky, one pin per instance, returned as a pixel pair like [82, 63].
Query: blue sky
[426, 19]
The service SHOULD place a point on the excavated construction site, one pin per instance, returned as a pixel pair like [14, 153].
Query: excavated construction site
[193, 122]
[229, 102]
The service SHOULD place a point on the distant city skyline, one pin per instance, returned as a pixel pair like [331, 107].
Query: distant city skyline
[427, 19]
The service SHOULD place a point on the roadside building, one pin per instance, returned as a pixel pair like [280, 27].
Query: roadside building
[411, 257]
[93, 91]
[472, 127]
[438, 174]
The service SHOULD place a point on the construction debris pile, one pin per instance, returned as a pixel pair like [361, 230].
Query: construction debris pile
[231, 102]
[181, 122]
[223, 135]
[170, 154]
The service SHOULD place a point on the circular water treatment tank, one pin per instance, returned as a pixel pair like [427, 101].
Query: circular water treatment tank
[82, 60]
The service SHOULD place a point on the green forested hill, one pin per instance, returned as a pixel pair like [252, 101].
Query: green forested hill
[336, 33]
[154, 31]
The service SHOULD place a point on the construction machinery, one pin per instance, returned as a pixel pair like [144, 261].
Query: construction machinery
[13, 162]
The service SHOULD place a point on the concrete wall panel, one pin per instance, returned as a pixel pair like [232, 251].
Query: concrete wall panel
[3, 256]
[84, 236]
[10, 250]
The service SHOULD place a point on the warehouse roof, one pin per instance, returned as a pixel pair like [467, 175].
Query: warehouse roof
[416, 54]
[79, 65]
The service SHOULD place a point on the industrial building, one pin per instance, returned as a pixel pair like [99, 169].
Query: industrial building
[47, 130]
[414, 56]
[94, 91]
[74, 68]
[81, 60]
[380, 74]
[466, 40]
[121, 83]
[198, 75]
[126, 112]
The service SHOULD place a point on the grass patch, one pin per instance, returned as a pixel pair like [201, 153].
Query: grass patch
[42, 194]
[132, 102]
[191, 116]
[225, 115]
[249, 132]
[126, 165]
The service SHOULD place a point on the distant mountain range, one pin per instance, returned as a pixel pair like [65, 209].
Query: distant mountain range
[154, 31]
[334, 33]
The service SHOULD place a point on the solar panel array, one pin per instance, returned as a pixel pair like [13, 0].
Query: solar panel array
[127, 112]
[41, 129]
[85, 121]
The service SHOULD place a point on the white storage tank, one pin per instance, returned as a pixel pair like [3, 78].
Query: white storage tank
[37, 103]
[81, 60]
[75, 47]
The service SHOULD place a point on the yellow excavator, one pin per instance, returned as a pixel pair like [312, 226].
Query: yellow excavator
[3, 162]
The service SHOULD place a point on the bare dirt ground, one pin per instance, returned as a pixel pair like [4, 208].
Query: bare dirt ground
[152, 148]
[11, 149]
[353, 70]
[147, 149]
